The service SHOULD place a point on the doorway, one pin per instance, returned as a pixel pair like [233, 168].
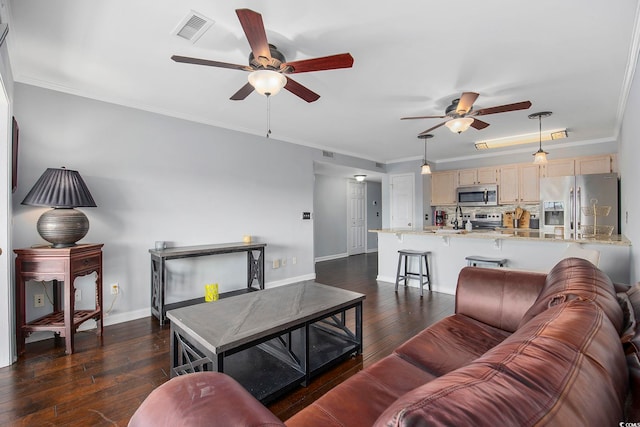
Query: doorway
[402, 200]
[357, 221]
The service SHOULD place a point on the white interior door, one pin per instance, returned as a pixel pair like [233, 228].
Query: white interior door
[6, 259]
[402, 201]
[357, 234]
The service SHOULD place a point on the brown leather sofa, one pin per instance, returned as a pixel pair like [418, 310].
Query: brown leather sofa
[521, 349]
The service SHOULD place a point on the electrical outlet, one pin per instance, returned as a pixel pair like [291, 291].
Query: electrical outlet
[38, 300]
[115, 289]
[283, 262]
[276, 263]
[294, 260]
[78, 295]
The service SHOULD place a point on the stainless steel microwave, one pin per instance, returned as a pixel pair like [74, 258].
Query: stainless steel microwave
[477, 195]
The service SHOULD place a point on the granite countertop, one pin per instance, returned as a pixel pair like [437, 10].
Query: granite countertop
[508, 233]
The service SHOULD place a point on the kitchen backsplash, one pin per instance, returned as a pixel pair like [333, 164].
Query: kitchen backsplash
[534, 210]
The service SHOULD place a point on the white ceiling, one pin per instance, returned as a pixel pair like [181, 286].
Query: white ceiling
[412, 58]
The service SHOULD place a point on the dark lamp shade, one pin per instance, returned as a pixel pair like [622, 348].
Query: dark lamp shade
[60, 188]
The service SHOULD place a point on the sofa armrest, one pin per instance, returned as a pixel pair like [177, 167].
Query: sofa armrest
[202, 399]
[496, 296]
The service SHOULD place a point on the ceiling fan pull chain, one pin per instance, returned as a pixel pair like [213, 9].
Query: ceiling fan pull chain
[268, 116]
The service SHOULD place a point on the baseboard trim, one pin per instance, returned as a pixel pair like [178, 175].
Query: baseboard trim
[332, 257]
[274, 284]
[112, 319]
[386, 279]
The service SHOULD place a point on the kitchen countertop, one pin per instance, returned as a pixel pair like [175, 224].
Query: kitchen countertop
[508, 233]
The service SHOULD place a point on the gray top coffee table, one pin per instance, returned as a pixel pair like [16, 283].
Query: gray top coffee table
[272, 340]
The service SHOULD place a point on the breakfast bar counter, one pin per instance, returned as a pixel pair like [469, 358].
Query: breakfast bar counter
[524, 249]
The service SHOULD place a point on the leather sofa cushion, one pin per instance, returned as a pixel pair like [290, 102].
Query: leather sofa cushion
[453, 342]
[565, 366]
[633, 297]
[576, 278]
[497, 296]
[193, 400]
[363, 397]
[632, 349]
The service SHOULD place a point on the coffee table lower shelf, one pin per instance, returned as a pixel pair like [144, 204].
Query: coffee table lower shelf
[267, 377]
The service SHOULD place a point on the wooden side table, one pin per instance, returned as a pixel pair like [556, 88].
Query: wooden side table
[58, 265]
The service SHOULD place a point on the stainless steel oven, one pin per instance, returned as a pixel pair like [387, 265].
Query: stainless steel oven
[477, 195]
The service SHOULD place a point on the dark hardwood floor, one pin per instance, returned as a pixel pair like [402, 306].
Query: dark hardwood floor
[104, 384]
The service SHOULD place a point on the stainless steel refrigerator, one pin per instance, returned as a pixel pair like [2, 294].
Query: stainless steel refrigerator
[573, 205]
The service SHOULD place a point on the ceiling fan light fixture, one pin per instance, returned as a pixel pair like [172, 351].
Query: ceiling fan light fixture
[359, 178]
[267, 82]
[459, 125]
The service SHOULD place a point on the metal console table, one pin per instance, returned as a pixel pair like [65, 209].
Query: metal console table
[255, 271]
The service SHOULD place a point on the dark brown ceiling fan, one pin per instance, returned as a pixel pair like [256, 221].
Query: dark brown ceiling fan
[461, 110]
[266, 57]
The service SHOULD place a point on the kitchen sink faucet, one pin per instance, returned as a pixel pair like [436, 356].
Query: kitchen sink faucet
[458, 225]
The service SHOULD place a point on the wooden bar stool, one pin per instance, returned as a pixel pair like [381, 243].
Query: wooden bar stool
[407, 254]
[474, 260]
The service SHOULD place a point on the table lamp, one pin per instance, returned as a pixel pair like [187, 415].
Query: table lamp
[63, 190]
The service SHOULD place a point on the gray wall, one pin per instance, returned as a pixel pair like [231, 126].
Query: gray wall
[160, 178]
[628, 155]
[374, 213]
[330, 219]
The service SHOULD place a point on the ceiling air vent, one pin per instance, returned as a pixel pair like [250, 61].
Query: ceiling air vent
[327, 154]
[379, 165]
[193, 26]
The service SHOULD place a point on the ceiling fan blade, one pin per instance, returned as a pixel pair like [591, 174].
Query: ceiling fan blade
[422, 117]
[332, 62]
[503, 108]
[242, 93]
[256, 35]
[479, 124]
[197, 61]
[433, 128]
[466, 102]
[301, 91]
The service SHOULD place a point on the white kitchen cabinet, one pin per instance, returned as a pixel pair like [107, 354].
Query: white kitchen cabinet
[594, 164]
[560, 167]
[477, 176]
[443, 188]
[508, 192]
[487, 175]
[519, 184]
[467, 177]
[580, 166]
[529, 183]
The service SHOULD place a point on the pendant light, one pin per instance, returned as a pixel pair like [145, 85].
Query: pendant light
[540, 156]
[426, 169]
